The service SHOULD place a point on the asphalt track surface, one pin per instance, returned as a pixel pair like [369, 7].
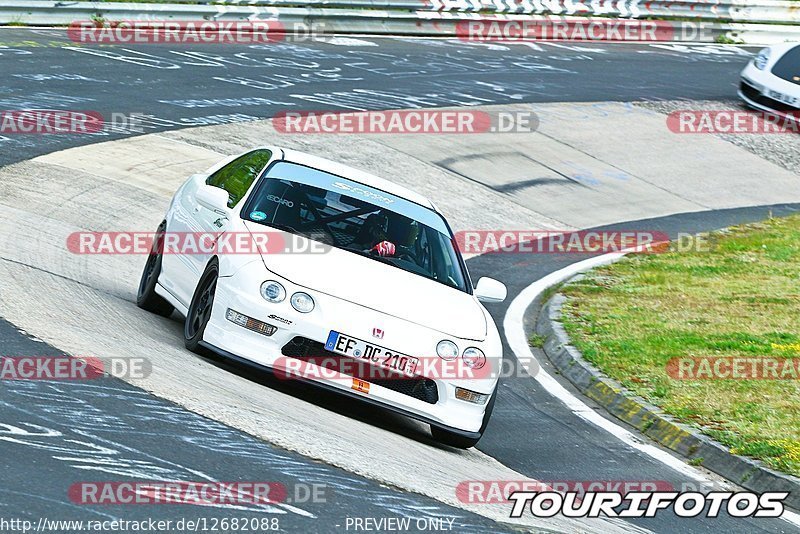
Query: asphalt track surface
[230, 84]
[180, 86]
[80, 432]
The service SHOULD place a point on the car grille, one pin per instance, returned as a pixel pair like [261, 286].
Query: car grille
[788, 66]
[752, 93]
[423, 389]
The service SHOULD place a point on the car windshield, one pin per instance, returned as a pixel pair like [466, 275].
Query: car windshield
[357, 218]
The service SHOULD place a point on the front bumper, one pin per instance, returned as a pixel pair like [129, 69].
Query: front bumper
[240, 292]
[350, 393]
[755, 84]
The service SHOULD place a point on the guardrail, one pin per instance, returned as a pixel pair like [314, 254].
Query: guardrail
[766, 11]
[439, 17]
[759, 11]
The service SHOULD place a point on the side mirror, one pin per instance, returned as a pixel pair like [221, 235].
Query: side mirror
[213, 198]
[490, 290]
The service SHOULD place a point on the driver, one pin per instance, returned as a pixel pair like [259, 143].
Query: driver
[373, 236]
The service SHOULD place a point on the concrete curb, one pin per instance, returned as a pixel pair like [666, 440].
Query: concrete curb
[648, 419]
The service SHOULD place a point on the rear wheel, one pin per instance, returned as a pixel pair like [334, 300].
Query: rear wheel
[146, 296]
[447, 437]
[200, 309]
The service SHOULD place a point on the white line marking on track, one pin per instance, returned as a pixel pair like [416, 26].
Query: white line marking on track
[348, 41]
[515, 335]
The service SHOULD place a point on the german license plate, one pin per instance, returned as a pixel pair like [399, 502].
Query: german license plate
[380, 356]
[786, 99]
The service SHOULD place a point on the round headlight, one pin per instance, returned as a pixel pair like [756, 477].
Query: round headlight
[474, 358]
[760, 61]
[273, 291]
[302, 302]
[447, 350]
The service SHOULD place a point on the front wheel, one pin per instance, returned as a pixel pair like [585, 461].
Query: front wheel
[146, 296]
[200, 309]
[447, 437]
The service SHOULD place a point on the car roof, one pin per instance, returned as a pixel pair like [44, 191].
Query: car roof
[365, 178]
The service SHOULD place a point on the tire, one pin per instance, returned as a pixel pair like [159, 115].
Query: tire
[146, 296]
[200, 309]
[446, 437]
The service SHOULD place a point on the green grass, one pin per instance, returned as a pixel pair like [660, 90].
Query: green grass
[536, 341]
[740, 299]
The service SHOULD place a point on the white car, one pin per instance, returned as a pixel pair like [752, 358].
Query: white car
[771, 80]
[387, 286]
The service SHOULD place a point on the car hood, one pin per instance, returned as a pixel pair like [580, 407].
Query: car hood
[383, 288]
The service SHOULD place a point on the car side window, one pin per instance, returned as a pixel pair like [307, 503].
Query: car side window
[237, 176]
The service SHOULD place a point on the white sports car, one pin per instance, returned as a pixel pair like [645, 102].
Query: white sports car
[771, 80]
[387, 287]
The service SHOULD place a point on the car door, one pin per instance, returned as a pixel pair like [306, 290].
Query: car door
[175, 268]
[190, 217]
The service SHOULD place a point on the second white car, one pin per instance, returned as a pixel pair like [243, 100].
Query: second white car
[771, 80]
